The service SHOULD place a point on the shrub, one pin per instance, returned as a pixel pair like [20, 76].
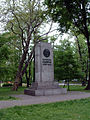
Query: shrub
[7, 85]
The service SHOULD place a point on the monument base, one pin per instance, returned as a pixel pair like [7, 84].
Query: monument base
[43, 89]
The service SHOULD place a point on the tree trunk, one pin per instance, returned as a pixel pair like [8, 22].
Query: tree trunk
[19, 72]
[88, 85]
[34, 67]
[86, 71]
[88, 43]
[81, 60]
[28, 75]
[79, 50]
[30, 72]
[27, 78]
[16, 84]
[20, 82]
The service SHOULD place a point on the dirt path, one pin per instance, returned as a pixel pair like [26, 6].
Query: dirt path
[28, 100]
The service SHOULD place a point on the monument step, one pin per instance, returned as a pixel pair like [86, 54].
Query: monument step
[44, 92]
[46, 85]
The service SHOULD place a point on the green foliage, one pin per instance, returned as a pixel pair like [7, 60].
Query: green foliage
[68, 110]
[81, 53]
[68, 12]
[7, 85]
[4, 54]
[9, 56]
[72, 13]
[66, 67]
[25, 15]
[4, 50]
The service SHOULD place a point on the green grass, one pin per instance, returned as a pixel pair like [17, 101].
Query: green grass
[68, 110]
[6, 92]
[76, 88]
[7, 98]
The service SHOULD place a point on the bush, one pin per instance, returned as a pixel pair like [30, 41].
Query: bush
[7, 85]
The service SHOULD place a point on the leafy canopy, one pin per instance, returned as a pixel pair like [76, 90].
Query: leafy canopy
[65, 63]
[68, 12]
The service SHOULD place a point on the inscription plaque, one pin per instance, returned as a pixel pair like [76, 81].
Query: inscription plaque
[46, 61]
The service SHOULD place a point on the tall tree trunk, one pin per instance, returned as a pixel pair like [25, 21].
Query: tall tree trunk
[87, 35]
[79, 49]
[34, 67]
[20, 82]
[30, 72]
[88, 85]
[27, 78]
[19, 72]
[81, 60]
[87, 70]
[88, 43]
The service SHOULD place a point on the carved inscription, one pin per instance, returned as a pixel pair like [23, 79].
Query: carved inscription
[46, 61]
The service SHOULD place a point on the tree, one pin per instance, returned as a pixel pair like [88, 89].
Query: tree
[82, 54]
[65, 63]
[24, 20]
[4, 54]
[9, 56]
[72, 12]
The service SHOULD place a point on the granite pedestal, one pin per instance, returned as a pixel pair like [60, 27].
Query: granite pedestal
[44, 73]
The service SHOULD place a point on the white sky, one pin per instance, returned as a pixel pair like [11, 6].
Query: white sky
[61, 36]
[55, 26]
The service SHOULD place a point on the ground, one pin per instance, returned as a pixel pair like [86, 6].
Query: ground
[66, 110]
[57, 107]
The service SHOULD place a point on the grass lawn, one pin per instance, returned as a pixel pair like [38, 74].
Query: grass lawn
[6, 92]
[76, 88]
[7, 98]
[68, 110]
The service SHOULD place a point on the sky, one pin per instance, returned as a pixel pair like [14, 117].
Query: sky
[55, 25]
[59, 34]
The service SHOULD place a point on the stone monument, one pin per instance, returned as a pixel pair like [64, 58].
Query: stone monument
[44, 73]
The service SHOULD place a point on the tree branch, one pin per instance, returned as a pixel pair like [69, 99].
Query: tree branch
[12, 28]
